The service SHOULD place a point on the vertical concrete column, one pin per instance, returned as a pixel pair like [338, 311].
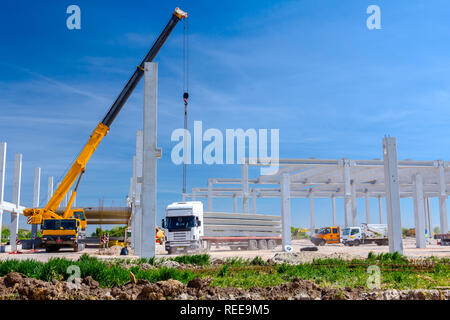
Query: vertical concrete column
[49, 188]
[285, 187]
[429, 221]
[133, 193]
[194, 195]
[253, 201]
[419, 211]
[244, 183]
[380, 209]
[17, 179]
[235, 203]
[210, 186]
[2, 181]
[36, 194]
[333, 209]
[442, 199]
[311, 213]
[367, 207]
[138, 199]
[392, 195]
[151, 155]
[354, 207]
[347, 193]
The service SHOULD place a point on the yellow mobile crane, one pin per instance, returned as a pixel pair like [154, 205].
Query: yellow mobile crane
[69, 229]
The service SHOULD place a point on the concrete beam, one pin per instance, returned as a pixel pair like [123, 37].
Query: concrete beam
[253, 201]
[244, 183]
[2, 181]
[380, 209]
[442, 199]
[151, 155]
[311, 213]
[392, 195]
[36, 194]
[419, 212]
[210, 186]
[354, 206]
[138, 202]
[333, 209]
[17, 180]
[347, 193]
[367, 208]
[285, 210]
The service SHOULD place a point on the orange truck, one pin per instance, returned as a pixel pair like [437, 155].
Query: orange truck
[326, 235]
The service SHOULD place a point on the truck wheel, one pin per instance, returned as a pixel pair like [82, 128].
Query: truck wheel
[252, 245]
[262, 244]
[271, 244]
[379, 243]
[356, 243]
[322, 243]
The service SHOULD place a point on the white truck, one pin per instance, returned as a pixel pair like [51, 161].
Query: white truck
[367, 233]
[187, 227]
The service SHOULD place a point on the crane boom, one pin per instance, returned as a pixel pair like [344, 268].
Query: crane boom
[102, 128]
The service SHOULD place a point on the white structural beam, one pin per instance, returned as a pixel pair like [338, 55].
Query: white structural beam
[442, 199]
[2, 182]
[49, 188]
[151, 155]
[254, 201]
[285, 210]
[347, 193]
[380, 209]
[36, 195]
[419, 212]
[133, 189]
[210, 186]
[17, 180]
[311, 213]
[392, 195]
[333, 209]
[367, 199]
[138, 203]
[354, 206]
[429, 220]
[244, 184]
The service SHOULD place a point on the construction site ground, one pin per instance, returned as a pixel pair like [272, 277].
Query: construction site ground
[329, 250]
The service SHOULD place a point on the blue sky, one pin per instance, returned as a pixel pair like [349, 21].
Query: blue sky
[309, 68]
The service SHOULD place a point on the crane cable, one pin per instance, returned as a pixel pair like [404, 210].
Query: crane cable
[185, 94]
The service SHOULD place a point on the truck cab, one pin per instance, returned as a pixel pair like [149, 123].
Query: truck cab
[184, 226]
[326, 235]
[65, 232]
[351, 236]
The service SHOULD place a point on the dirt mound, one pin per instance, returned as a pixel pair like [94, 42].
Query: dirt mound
[17, 286]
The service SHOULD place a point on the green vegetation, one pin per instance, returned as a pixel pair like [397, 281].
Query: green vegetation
[23, 234]
[114, 232]
[298, 233]
[195, 259]
[396, 271]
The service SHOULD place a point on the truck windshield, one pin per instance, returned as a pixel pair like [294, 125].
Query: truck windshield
[346, 232]
[58, 224]
[355, 231]
[79, 215]
[186, 222]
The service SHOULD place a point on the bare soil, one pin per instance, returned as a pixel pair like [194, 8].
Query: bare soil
[19, 287]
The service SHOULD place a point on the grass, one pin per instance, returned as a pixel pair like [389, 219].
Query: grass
[237, 272]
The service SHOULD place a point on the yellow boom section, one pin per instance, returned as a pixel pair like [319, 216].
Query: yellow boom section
[77, 168]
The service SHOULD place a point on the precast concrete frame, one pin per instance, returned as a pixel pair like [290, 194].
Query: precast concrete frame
[14, 207]
[348, 179]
